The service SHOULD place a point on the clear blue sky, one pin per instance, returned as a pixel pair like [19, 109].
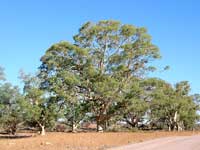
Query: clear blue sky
[29, 27]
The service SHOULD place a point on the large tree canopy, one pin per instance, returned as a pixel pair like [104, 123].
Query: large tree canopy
[98, 67]
[100, 77]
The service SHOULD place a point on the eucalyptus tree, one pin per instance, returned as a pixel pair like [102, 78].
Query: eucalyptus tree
[98, 67]
[40, 109]
[73, 114]
[135, 104]
[118, 53]
[172, 105]
[11, 108]
[62, 74]
[188, 109]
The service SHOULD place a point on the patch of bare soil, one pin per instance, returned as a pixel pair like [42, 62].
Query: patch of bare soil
[82, 141]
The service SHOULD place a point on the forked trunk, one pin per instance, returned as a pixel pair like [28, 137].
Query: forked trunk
[42, 130]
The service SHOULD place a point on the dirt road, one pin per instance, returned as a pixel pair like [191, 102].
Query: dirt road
[169, 143]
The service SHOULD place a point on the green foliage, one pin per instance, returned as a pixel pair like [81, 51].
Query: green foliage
[102, 69]
[135, 104]
[2, 74]
[101, 77]
[39, 107]
[11, 114]
[172, 105]
[98, 67]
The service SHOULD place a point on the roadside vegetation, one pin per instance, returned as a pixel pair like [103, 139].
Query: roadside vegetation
[99, 81]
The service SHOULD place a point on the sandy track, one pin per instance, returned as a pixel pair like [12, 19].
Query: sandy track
[169, 143]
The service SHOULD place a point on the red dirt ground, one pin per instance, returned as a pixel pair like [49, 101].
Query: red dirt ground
[83, 141]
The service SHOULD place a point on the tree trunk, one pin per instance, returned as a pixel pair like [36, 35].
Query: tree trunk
[99, 128]
[169, 128]
[13, 129]
[74, 127]
[106, 125]
[180, 126]
[42, 131]
[171, 124]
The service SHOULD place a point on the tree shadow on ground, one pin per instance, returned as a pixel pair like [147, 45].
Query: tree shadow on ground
[7, 136]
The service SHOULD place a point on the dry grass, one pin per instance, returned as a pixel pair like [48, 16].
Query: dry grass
[82, 141]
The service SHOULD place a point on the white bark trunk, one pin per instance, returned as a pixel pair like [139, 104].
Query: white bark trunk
[175, 116]
[99, 128]
[180, 126]
[43, 131]
[74, 127]
[169, 128]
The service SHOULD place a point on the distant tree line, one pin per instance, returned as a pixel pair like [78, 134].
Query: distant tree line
[101, 77]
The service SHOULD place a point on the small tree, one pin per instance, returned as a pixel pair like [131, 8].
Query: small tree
[11, 110]
[40, 108]
[172, 105]
[135, 104]
[74, 113]
[62, 75]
